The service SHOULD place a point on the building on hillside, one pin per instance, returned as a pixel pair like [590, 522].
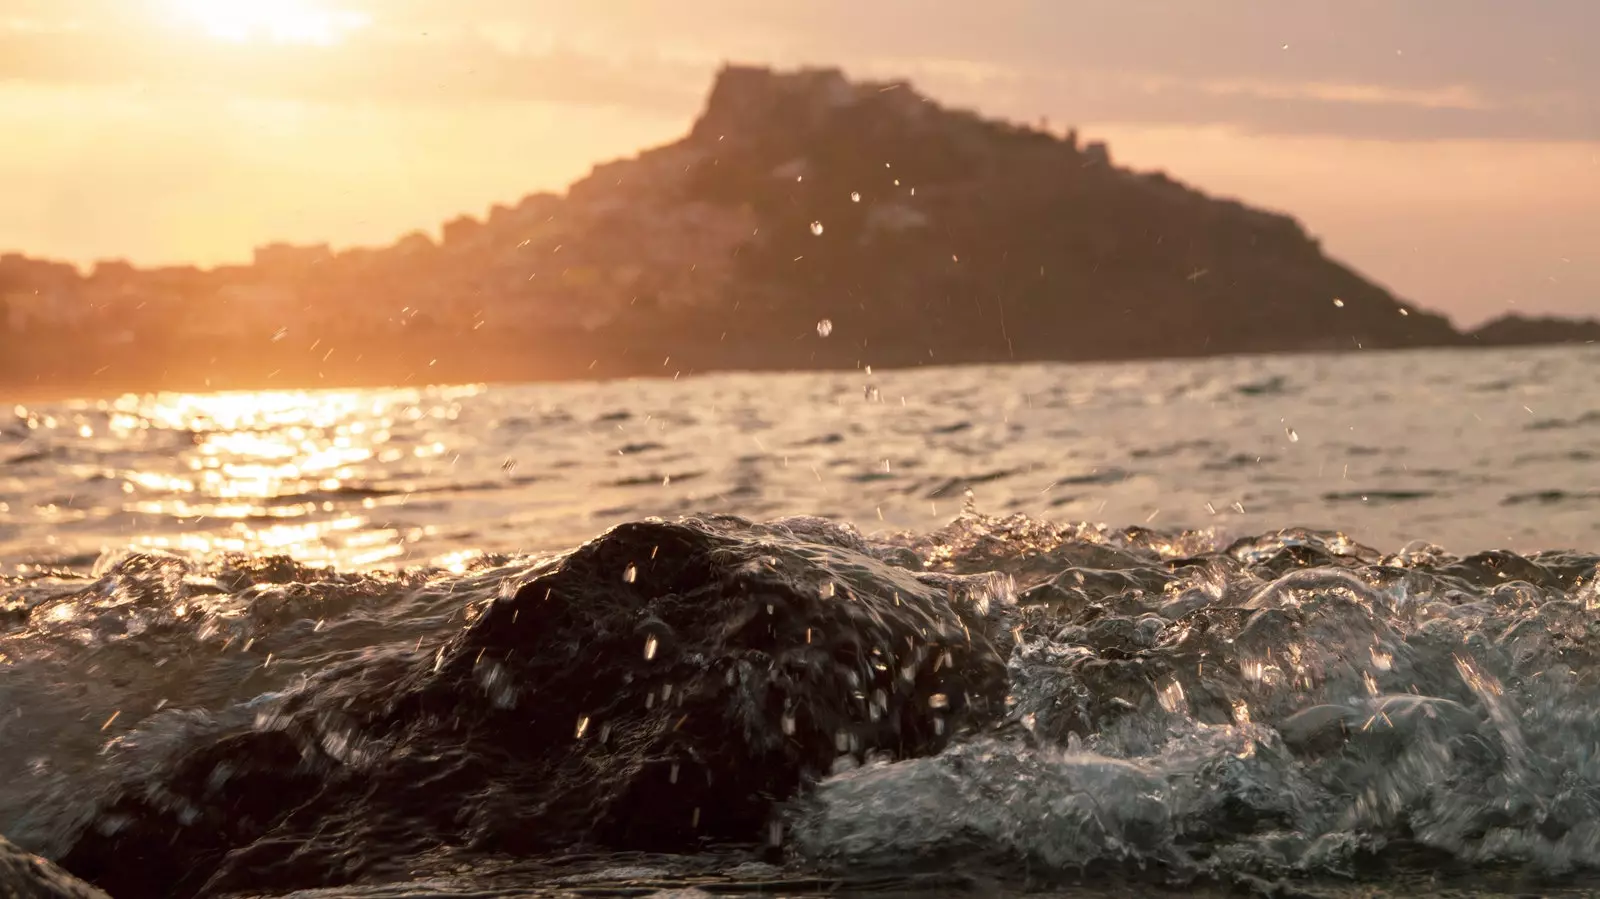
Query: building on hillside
[248, 309]
[42, 310]
[40, 295]
[282, 261]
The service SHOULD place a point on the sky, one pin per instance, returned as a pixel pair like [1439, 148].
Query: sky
[1449, 149]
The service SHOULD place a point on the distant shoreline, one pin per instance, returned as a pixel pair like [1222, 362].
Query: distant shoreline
[385, 374]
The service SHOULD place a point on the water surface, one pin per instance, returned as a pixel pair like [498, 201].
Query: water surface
[1222, 625]
[1465, 449]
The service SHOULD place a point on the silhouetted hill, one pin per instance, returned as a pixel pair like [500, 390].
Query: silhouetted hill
[978, 240]
[1518, 330]
[920, 234]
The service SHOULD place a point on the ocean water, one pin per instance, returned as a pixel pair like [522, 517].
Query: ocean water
[1278, 624]
[1467, 450]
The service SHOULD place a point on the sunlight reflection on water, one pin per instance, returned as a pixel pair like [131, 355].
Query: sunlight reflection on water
[280, 472]
[383, 478]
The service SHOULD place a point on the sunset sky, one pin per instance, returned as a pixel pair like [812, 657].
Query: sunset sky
[1448, 148]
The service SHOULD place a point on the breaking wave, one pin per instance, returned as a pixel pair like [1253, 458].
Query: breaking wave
[1008, 698]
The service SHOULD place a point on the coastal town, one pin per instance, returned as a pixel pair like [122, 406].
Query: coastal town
[308, 289]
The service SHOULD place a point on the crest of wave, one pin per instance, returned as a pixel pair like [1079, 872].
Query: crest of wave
[1294, 704]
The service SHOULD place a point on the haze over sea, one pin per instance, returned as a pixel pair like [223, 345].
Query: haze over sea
[1469, 450]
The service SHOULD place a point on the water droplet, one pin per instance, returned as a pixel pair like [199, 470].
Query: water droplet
[630, 574]
[825, 327]
[855, 196]
[582, 728]
[816, 228]
[1405, 311]
[1171, 697]
[1338, 302]
[828, 590]
[649, 647]
[938, 701]
[1294, 437]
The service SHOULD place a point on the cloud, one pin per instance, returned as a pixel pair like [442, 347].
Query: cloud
[417, 72]
[1422, 70]
[1098, 97]
[1360, 94]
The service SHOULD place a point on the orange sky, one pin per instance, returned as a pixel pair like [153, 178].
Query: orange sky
[1448, 148]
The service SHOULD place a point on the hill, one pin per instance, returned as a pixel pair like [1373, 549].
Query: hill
[805, 221]
[1519, 330]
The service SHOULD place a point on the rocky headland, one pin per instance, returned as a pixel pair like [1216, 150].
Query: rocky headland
[805, 222]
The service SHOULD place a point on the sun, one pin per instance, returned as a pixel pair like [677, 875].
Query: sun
[275, 21]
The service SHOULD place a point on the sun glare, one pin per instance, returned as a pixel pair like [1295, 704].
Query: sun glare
[277, 21]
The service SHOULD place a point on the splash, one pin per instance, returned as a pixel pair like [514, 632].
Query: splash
[1024, 695]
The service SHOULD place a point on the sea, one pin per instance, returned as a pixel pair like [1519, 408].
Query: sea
[1267, 625]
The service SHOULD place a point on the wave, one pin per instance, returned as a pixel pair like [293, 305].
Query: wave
[1042, 702]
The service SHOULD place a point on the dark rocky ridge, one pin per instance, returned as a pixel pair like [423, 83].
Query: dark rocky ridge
[980, 241]
[945, 238]
[1522, 330]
